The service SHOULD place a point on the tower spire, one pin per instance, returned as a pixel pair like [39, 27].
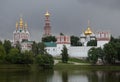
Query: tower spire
[88, 23]
[25, 26]
[16, 25]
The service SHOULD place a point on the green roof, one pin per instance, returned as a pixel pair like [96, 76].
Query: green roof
[50, 44]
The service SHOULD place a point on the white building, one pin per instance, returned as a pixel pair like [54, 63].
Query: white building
[22, 36]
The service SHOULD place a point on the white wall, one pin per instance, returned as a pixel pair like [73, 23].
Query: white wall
[78, 51]
[101, 43]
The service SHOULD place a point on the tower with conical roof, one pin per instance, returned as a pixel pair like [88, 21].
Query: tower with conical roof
[47, 27]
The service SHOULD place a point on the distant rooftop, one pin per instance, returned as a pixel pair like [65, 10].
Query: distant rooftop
[50, 44]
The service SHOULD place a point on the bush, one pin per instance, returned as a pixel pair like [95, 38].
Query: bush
[45, 61]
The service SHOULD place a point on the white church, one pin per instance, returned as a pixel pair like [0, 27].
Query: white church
[22, 36]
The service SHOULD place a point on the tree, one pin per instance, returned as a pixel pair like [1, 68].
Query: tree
[1, 42]
[2, 54]
[41, 48]
[18, 46]
[7, 46]
[27, 57]
[49, 39]
[13, 56]
[45, 61]
[110, 53]
[61, 34]
[75, 41]
[92, 43]
[35, 48]
[64, 54]
[94, 54]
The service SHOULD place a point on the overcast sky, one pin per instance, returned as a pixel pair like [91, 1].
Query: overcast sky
[67, 16]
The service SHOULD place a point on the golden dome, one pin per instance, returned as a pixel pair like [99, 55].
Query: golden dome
[21, 23]
[47, 14]
[88, 31]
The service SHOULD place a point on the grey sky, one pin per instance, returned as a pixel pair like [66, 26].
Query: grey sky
[67, 16]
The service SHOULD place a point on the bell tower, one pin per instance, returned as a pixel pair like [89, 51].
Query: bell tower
[47, 27]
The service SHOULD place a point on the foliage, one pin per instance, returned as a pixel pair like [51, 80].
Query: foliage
[27, 57]
[61, 34]
[49, 39]
[35, 48]
[94, 54]
[41, 48]
[13, 56]
[110, 53]
[18, 46]
[64, 54]
[1, 42]
[7, 46]
[2, 54]
[45, 61]
[75, 41]
[92, 43]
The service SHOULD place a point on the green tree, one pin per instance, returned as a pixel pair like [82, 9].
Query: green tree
[35, 48]
[92, 43]
[2, 54]
[45, 61]
[61, 34]
[49, 39]
[94, 54]
[110, 53]
[27, 57]
[41, 48]
[75, 41]
[18, 46]
[13, 56]
[7, 46]
[1, 42]
[64, 54]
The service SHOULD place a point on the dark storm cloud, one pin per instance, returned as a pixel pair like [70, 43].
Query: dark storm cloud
[67, 16]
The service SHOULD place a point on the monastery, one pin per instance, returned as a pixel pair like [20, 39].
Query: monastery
[21, 35]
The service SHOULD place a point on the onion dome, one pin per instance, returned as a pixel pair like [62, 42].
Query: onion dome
[21, 23]
[47, 14]
[88, 31]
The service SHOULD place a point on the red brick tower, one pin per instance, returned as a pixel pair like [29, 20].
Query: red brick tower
[47, 27]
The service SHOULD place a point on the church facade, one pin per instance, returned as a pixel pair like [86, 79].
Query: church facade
[21, 36]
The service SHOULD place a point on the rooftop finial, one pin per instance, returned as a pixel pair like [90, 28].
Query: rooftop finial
[47, 13]
[16, 25]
